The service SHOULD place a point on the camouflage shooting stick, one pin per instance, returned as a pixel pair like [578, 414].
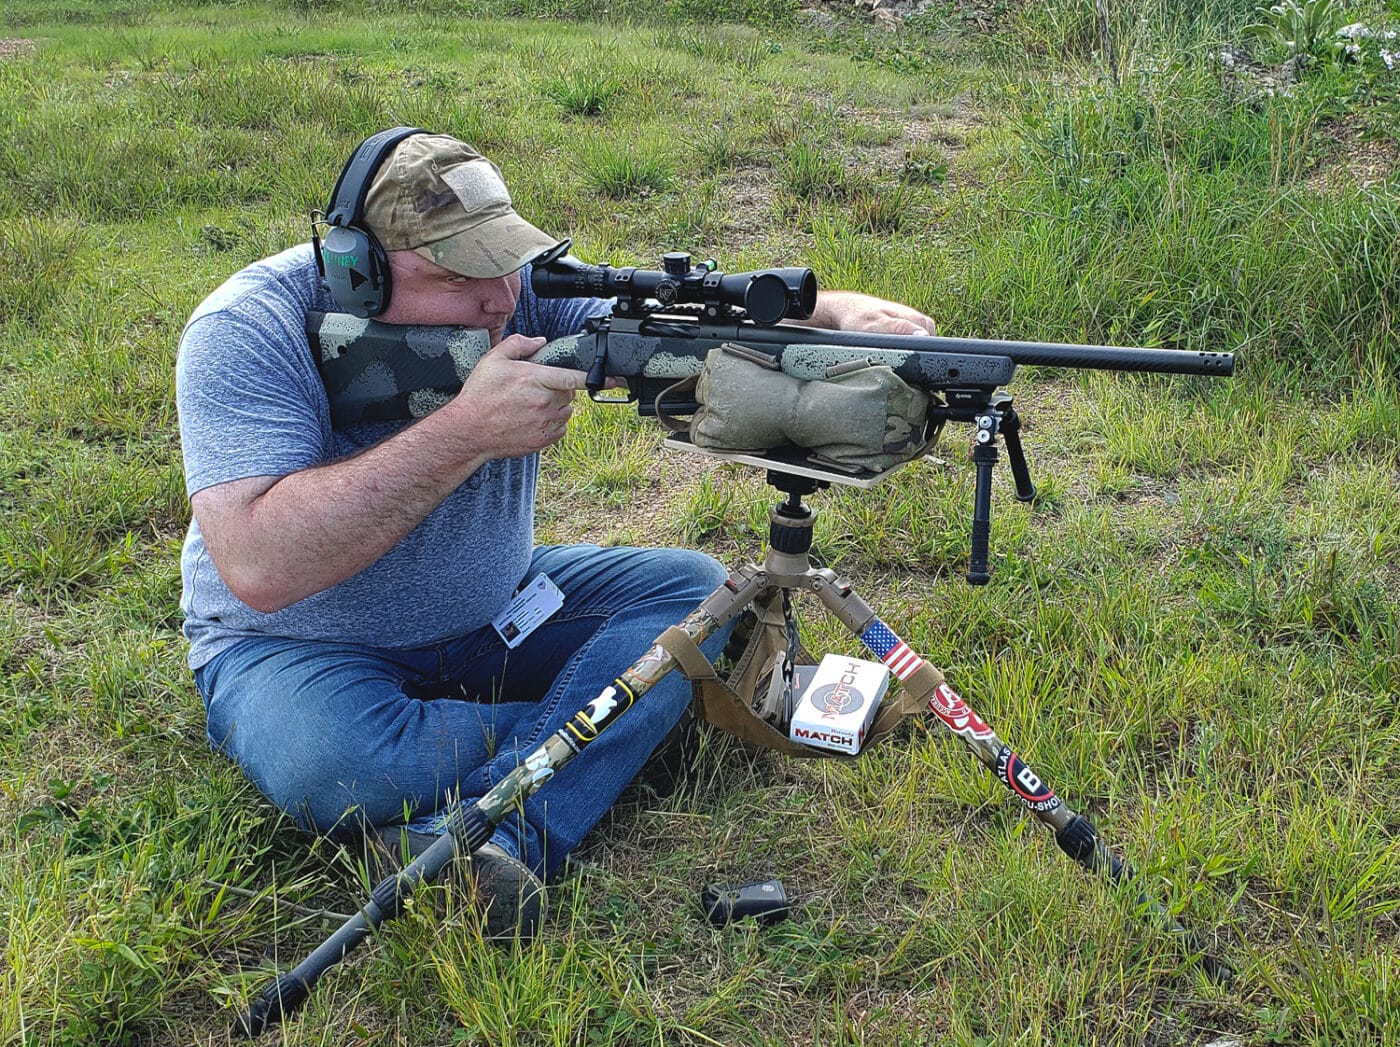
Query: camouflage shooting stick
[378, 372]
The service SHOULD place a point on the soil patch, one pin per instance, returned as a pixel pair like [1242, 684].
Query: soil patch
[16, 48]
[1352, 162]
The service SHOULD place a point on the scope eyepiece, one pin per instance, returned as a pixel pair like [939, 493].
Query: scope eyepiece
[768, 296]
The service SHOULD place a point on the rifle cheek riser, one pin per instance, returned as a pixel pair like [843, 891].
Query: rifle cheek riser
[665, 323]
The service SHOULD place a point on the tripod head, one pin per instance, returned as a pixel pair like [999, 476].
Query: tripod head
[790, 522]
[795, 486]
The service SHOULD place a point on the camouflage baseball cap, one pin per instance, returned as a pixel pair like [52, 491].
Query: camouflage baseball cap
[438, 196]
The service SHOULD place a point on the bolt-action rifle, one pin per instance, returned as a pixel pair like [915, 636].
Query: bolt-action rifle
[664, 324]
[662, 328]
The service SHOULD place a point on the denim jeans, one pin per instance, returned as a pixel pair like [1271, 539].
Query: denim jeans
[341, 735]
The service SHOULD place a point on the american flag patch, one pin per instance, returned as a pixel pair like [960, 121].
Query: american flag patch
[891, 650]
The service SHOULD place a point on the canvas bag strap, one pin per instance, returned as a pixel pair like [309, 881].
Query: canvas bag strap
[728, 704]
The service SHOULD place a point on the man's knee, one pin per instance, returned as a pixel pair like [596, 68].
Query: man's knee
[311, 791]
[329, 785]
[695, 573]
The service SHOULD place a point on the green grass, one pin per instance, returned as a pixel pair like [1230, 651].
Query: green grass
[1194, 634]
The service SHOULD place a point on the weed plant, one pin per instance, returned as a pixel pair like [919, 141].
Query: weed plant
[1193, 634]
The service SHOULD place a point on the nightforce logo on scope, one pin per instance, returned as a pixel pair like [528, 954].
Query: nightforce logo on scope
[1025, 783]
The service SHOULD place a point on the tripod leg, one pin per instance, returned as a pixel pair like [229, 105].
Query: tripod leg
[471, 825]
[1074, 833]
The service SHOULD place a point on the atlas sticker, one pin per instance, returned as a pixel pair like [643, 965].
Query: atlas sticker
[600, 707]
[956, 713]
[1025, 783]
[588, 722]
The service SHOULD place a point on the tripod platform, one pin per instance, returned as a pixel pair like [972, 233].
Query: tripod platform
[794, 461]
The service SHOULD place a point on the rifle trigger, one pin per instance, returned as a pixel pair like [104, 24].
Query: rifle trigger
[595, 382]
[597, 373]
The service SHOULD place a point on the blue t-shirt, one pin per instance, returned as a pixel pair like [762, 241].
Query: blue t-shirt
[251, 403]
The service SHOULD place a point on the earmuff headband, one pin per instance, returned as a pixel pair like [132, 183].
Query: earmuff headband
[352, 187]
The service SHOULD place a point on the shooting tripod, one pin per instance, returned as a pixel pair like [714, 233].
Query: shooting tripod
[786, 568]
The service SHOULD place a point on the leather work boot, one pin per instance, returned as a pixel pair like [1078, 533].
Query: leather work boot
[510, 896]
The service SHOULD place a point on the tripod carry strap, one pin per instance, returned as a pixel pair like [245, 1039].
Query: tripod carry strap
[725, 707]
[728, 704]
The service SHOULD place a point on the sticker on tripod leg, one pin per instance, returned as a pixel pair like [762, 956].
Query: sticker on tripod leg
[1025, 783]
[891, 650]
[540, 770]
[949, 707]
[603, 710]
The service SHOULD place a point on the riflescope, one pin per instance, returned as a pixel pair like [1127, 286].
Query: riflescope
[767, 295]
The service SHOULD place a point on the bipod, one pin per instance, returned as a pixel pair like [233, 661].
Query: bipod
[991, 414]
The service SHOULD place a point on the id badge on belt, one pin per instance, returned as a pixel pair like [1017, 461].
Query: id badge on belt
[528, 610]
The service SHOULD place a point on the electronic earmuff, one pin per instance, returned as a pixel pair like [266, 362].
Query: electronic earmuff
[354, 267]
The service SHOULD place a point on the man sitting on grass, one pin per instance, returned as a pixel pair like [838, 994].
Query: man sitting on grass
[340, 583]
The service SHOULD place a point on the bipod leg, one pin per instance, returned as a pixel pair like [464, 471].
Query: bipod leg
[1074, 833]
[471, 825]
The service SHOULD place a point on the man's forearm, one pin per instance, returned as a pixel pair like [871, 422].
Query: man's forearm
[315, 528]
[853, 311]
